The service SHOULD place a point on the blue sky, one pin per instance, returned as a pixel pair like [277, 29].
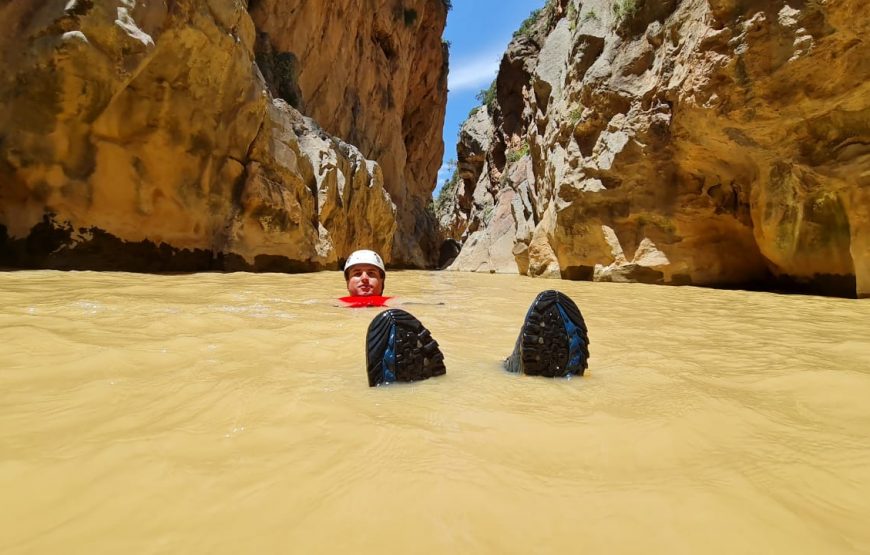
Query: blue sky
[478, 31]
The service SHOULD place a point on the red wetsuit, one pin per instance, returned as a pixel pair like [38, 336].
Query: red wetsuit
[362, 302]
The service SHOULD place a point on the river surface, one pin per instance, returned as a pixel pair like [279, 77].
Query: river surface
[230, 413]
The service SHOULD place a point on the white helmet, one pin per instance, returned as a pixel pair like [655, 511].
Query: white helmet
[364, 257]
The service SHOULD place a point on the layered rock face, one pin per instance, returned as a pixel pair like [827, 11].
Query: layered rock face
[163, 136]
[373, 73]
[707, 142]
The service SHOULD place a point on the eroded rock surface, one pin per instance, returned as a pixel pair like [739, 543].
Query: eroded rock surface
[733, 138]
[144, 135]
[373, 72]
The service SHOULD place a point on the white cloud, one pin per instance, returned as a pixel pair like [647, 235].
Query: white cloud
[473, 73]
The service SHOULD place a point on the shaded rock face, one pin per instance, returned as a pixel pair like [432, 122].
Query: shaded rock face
[467, 198]
[372, 72]
[731, 138]
[144, 136]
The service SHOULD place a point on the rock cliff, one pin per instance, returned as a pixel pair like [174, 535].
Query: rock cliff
[213, 134]
[707, 142]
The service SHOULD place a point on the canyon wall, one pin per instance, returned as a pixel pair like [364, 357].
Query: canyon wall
[707, 142]
[178, 135]
[373, 73]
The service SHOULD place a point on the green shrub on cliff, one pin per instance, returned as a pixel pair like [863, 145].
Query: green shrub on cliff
[623, 9]
[526, 26]
[550, 12]
[517, 153]
[576, 115]
[447, 191]
[487, 96]
[488, 211]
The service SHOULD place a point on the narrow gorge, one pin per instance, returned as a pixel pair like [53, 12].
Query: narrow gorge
[188, 135]
[718, 143]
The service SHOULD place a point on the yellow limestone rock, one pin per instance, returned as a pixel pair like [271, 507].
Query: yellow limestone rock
[144, 136]
[373, 72]
[731, 135]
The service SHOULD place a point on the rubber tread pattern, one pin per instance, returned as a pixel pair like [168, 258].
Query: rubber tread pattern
[400, 348]
[548, 345]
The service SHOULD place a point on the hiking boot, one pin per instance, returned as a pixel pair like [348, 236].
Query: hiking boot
[553, 341]
[400, 349]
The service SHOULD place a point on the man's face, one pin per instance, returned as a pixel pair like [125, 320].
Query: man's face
[364, 280]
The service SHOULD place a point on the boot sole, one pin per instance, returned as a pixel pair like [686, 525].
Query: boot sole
[400, 349]
[554, 339]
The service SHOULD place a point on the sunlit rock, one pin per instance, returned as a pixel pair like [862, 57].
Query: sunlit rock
[644, 267]
[170, 136]
[374, 73]
[731, 135]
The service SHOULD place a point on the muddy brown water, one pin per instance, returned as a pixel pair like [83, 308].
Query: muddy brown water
[229, 413]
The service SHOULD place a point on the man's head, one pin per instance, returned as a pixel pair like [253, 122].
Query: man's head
[365, 274]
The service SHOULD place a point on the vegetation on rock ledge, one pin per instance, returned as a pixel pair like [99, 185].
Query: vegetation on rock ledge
[487, 96]
[526, 26]
[449, 188]
[623, 9]
[517, 153]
